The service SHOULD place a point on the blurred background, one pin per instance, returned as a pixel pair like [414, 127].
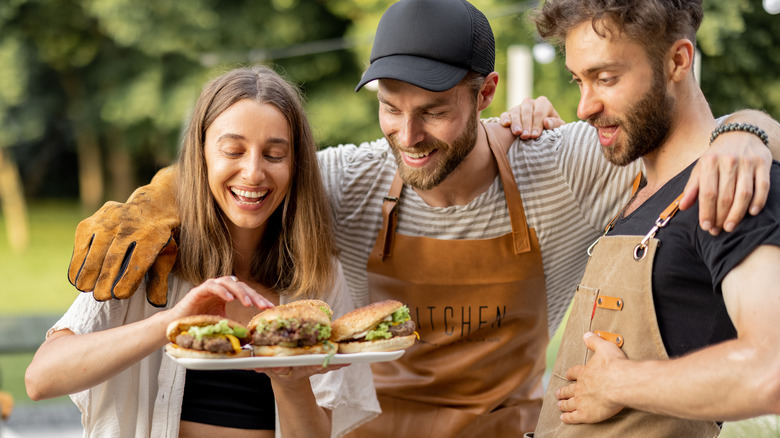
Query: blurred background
[94, 93]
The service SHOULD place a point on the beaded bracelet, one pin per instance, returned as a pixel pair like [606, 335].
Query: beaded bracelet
[746, 127]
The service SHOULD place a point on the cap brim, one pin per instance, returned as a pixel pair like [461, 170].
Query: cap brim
[421, 72]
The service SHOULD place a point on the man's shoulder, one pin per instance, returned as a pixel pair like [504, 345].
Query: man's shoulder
[574, 133]
[355, 154]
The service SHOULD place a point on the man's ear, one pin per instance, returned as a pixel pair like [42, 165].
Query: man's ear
[680, 59]
[488, 91]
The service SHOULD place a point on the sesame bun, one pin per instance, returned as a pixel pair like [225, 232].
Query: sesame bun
[176, 351]
[278, 350]
[362, 319]
[392, 344]
[315, 304]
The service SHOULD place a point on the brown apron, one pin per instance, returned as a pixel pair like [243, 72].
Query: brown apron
[615, 301]
[481, 313]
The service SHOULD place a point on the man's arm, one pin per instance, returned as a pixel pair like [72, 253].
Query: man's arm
[734, 174]
[729, 381]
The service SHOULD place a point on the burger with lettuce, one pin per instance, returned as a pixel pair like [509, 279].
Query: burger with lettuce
[207, 337]
[381, 326]
[300, 327]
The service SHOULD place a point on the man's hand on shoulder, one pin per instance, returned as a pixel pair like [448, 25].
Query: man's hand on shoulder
[531, 117]
[732, 177]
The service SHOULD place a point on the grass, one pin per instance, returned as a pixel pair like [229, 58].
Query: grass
[35, 282]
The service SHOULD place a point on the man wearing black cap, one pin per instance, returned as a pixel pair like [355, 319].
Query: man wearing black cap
[432, 215]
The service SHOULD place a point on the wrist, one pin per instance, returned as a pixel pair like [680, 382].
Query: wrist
[742, 127]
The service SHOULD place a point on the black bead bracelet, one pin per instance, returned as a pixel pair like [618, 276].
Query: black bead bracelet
[745, 127]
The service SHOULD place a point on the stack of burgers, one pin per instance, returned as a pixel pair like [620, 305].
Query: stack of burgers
[300, 327]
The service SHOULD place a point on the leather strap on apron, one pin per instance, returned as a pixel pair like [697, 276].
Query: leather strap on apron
[481, 312]
[615, 300]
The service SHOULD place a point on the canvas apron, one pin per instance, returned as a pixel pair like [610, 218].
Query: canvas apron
[481, 313]
[615, 301]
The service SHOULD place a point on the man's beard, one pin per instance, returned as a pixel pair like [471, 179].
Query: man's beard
[429, 177]
[645, 126]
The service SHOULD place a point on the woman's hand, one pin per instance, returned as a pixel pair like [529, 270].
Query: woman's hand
[211, 296]
[287, 375]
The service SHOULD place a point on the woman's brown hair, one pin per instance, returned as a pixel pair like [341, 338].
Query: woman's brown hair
[295, 256]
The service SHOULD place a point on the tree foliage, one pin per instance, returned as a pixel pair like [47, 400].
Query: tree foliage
[112, 81]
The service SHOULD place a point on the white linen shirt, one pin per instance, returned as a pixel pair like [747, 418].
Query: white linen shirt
[144, 400]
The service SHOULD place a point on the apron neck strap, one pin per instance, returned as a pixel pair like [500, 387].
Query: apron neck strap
[389, 217]
[514, 200]
[634, 189]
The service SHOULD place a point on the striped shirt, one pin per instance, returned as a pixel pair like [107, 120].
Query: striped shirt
[569, 191]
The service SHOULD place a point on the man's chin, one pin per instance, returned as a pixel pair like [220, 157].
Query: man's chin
[615, 156]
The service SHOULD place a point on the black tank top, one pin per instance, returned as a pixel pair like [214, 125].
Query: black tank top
[232, 398]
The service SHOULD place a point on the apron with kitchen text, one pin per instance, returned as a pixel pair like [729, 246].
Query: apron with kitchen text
[615, 301]
[481, 313]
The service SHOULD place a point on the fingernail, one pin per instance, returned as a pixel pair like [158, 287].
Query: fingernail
[516, 128]
[706, 225]
[247, 301]
[754, 210]
[525, 132]
[230, 296]
[535, 132]
[715, 231]
[729, 226]
[504, 120]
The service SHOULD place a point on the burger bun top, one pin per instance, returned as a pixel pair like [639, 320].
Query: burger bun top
[301, 312]
[362, 319]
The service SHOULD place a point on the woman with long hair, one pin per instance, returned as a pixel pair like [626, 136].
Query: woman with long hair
[255, 232]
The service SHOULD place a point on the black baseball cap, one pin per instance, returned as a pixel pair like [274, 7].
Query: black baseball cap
[431, 44]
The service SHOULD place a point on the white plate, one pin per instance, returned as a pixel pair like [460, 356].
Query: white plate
[285, 361]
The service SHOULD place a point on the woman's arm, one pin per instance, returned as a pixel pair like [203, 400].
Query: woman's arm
[299, 414]
[67, 363]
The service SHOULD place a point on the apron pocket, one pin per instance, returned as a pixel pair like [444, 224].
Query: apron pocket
[572, 350]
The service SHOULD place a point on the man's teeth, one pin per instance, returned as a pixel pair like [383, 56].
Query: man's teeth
[417, 155]
[248, 197]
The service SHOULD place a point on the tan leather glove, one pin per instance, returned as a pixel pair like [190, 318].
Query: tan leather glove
[121, 243]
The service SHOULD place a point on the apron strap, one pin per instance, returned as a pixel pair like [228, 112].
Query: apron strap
[640, 251]
[514, 200]
[389, 217]
[634, 189]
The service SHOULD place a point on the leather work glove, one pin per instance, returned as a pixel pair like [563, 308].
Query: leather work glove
[121, 243]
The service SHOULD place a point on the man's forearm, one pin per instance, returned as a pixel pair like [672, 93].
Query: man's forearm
[761, 119]
[718, 383]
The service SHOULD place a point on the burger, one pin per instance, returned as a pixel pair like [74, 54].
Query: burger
[381, 326]
[206, 337]
[300, 327]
